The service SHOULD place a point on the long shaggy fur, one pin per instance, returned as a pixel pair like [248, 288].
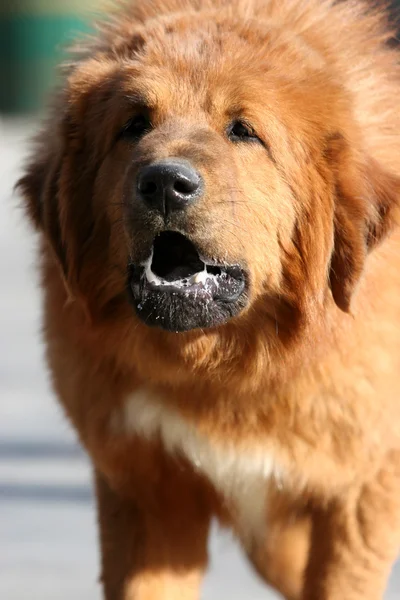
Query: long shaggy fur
[297, 397]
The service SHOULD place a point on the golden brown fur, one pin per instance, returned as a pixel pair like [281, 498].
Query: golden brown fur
[309, 370]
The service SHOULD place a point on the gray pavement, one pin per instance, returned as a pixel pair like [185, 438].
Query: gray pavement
[48, 546]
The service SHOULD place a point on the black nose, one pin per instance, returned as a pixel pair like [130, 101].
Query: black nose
[169, 185]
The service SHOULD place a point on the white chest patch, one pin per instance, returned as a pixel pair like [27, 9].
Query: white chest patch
[240, 476]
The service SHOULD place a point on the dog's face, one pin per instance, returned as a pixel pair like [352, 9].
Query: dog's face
[206, 172]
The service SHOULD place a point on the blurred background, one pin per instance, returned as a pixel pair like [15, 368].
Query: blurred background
[48, 540]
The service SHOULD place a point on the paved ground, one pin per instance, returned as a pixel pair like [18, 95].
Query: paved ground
[48, 539]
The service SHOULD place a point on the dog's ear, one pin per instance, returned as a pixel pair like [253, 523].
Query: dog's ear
[57, 192]
[40, 190]
[366, 209]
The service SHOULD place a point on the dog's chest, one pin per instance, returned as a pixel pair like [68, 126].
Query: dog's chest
[241, 477]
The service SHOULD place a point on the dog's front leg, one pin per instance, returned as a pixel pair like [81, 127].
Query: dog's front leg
[154, 552]
[355, 540]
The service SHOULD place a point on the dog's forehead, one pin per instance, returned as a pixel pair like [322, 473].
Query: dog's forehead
[216, 66]
[206, 71]
[198, 76]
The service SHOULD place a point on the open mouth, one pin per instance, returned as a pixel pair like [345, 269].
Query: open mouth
[176, 266]
[177, 278]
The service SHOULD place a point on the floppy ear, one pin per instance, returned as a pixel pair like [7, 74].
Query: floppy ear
[57, 191]
[40, 190]
[365, 211]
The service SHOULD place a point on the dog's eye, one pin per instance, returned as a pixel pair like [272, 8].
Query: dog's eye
[136, 127]
[239, 131]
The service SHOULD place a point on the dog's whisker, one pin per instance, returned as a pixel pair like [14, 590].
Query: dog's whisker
[123, 204]
[117, 222]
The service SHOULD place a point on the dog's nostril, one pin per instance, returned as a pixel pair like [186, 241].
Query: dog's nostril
[148, 187]
[185, 186]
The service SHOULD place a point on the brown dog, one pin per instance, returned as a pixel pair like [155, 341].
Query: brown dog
[216, 195]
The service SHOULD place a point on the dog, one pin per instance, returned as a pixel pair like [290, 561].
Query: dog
[217, 194]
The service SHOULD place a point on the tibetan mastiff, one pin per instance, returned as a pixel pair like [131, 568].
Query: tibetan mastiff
[216, 193]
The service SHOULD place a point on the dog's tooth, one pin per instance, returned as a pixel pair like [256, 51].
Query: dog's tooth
[152, 277]
[200, 277]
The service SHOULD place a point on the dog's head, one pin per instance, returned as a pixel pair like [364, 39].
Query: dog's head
[207, 170]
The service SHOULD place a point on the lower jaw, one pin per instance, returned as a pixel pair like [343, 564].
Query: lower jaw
[179, 312]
